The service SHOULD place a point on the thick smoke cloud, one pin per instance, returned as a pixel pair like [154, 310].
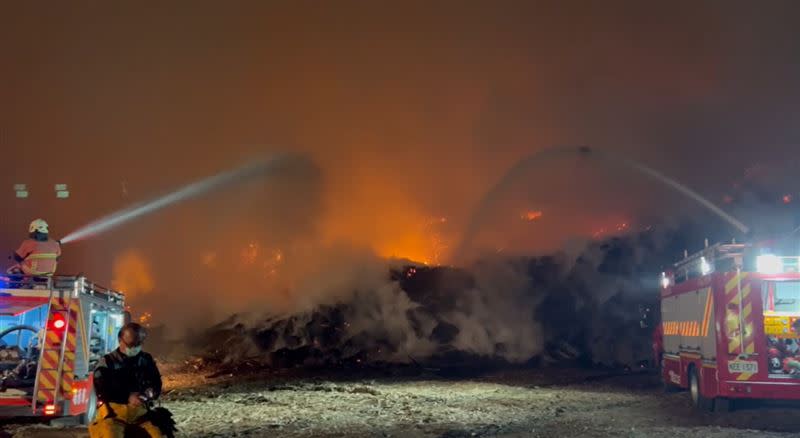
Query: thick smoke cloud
[505, 309]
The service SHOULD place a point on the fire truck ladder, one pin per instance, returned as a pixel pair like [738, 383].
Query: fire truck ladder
[52, 346]
[741, 319]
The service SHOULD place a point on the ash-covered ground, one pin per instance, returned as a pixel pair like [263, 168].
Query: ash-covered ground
[414, 402]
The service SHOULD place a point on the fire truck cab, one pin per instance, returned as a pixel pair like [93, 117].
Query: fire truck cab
[728, 324]
[52, 333]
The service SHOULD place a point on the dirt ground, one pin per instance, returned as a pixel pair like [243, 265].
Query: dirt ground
[521, 403]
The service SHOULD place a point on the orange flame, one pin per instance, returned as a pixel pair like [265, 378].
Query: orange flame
[532, 215]
[132, 274]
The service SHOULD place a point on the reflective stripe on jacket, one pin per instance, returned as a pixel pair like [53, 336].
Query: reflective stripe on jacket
[39, 258]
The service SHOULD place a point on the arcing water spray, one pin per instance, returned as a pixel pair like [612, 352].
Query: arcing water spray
[528, 163]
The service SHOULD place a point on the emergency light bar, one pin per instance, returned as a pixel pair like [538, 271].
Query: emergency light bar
[771, 264]
[768, 264]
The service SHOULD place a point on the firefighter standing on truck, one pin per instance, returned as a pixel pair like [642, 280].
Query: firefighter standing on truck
[38, 254]
[124, 381]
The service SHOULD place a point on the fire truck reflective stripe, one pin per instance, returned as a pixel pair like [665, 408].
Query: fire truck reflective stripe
[82, 329]
[735, 298]
[42, 256]
[50, 359]
[749, 343]
[45, 395]
[47, 382]
[734, 282]
[48, 378]
[707, 314]
[747, 318]
[53, 338]
[732, 326]
[748, 309]
[733, 345]
[68, 367]
[682, 328]
[731, 283]
[744, 376]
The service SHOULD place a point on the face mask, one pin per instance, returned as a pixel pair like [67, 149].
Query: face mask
[133, 351]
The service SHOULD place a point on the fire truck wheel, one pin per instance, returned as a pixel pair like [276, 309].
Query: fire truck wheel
[91, 408]
[700, 402]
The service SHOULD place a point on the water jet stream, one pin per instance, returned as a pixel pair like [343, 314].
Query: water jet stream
[240, 174]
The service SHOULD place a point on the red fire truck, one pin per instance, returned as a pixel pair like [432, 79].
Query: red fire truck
[52, 333]
[728, 326]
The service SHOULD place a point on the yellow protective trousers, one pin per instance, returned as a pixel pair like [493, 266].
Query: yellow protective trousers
[105, 426]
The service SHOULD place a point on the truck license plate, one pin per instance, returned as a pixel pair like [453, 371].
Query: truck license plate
[742, 366]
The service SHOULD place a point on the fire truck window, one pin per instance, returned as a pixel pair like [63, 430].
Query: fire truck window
[786, 296]
[98, 336]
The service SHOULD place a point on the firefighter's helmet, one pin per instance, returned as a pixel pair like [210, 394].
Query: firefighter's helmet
[38, 225]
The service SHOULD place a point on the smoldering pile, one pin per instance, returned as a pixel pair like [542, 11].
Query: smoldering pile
[586, 309]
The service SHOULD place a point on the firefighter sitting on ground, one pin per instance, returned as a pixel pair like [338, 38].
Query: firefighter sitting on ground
[124, 381]
[38, 254]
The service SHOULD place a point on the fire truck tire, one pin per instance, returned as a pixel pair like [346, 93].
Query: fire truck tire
[91, 409]
[698, 400]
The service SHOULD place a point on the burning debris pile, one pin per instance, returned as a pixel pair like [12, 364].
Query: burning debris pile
[512, 310]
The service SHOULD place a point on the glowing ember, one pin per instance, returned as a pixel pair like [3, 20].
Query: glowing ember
[532, 215]
[145, 319]
[619, 227]
[209, 258]
[272, 263]
[249, 255]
